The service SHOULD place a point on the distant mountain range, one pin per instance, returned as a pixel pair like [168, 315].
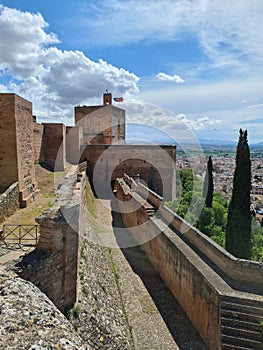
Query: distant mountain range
[217, 142]
[256, 146]
[253, 146]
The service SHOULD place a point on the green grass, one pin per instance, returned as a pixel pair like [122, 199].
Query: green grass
[90, 199]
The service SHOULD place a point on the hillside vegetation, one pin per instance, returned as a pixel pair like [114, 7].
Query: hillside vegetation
[211, 221]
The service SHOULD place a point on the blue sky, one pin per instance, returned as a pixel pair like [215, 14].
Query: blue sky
[181, 65]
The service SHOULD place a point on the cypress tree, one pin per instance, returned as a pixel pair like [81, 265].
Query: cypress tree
[238, 230]
[209, 184]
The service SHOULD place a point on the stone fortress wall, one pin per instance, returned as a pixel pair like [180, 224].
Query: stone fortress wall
[202, 276]
[24, 142]
[189, 263]
[16, 146]
[155, 165]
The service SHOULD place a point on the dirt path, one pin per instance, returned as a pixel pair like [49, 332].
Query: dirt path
[14, 254]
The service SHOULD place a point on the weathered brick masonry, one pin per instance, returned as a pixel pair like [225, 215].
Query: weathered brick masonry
[54, 265]
[16, 146]
[53, 150]
[38, 130]
[9, 201]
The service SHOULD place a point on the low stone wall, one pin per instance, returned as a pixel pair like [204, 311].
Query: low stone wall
[177, 266]
[9, 201]
[240, 273]
[192, 280]
[54, 265]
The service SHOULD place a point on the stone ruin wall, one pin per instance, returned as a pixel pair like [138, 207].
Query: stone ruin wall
[9, 202]
[74, 140]
[24, 143]
[25, 150]
[54, 265]
[8, 153]
[16, 146]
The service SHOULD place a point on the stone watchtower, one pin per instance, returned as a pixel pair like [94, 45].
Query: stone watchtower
[16, 146]
[107, 98]
[103, 124]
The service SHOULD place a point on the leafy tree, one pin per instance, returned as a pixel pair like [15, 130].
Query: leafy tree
[238, 230]
[220, 199]
[208, 184]
[257, 240]
[220, 213]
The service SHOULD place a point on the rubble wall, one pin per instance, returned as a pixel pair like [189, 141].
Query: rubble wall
[54, 265]
[9, 201]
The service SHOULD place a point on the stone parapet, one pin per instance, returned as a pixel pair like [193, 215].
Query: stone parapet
[186, 265]
[241, 274]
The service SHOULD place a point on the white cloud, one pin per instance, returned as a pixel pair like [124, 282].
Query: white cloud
[3, 88]
[52, 79]
[22, 42]
[206, 96]
[56, 80]
[177, 126]
[172, 78]
[227, 32]
[224, 103]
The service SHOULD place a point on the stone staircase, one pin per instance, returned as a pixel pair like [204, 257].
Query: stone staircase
[241, 324]
[150, 211]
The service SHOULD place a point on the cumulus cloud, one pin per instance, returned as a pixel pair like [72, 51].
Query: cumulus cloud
[22, 42]
[177, 126]
[54, 80]
[172, 78]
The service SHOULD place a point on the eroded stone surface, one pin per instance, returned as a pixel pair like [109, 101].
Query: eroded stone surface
[29, 320]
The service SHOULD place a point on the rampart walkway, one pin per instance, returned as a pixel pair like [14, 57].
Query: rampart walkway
[156, 319]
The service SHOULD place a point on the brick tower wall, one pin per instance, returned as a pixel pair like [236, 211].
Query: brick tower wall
[16, 146]
[8, 147]
[25, 149]
[53, 152]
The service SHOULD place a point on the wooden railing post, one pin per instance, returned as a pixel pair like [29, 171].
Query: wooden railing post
[19, 234]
